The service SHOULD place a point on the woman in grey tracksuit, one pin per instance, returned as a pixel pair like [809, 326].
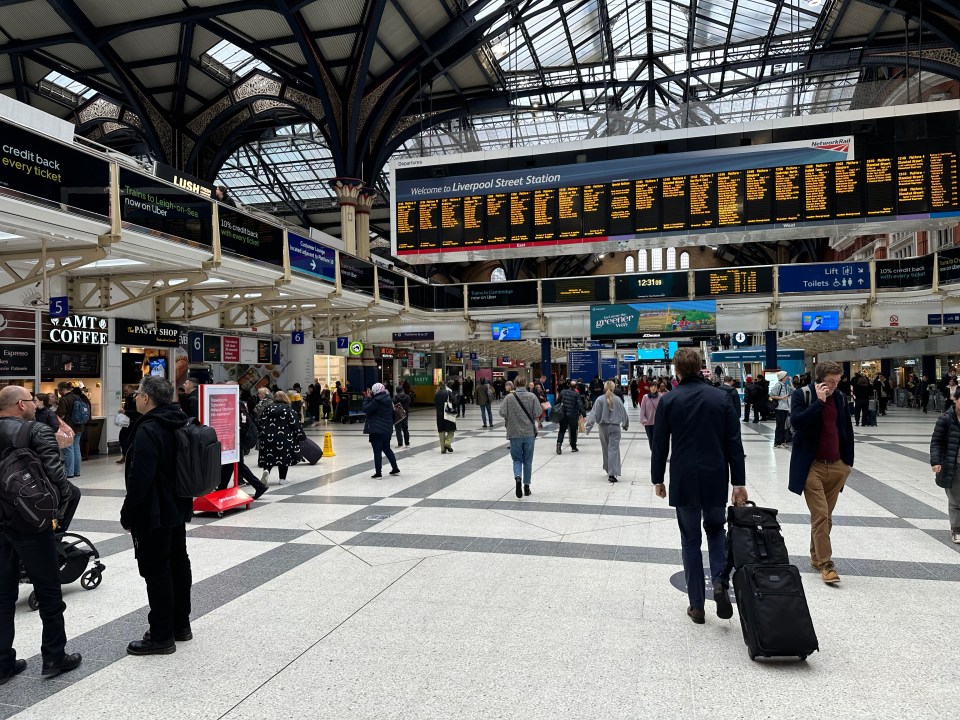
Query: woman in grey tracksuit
[608, 412]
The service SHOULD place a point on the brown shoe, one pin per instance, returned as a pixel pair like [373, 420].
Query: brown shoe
[696, 615]
[828, 572]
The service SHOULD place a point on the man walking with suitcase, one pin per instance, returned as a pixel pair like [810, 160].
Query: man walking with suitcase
[706, 455]
[822, 458]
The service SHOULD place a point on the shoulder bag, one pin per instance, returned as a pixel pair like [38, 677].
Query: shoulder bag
[526, 412]
[448, 407]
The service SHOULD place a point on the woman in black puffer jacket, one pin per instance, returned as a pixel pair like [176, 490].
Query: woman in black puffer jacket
[944, 447]
[378, 425]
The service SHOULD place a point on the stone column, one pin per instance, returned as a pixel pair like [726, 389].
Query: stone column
[348, 193]
[364, 204]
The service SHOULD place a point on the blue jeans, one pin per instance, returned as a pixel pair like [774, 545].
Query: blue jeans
[71, 457]
[486, 414]
[521, 450]
[688, 517]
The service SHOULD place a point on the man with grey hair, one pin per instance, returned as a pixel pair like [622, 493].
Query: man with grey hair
[37, 551]
[156, 517]
[520, 409]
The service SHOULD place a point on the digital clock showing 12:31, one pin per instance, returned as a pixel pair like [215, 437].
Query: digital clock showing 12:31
[661, 285]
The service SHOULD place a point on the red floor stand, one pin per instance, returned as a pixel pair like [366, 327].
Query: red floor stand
[220, 501]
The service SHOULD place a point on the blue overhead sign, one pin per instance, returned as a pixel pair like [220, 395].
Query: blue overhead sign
[824, 277]
[311, 258]
[947, 319]
[609, 369]
[583, 364]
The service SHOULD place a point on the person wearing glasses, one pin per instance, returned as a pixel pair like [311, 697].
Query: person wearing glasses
[37, 551]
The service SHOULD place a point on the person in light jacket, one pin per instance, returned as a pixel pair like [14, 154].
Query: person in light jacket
[648, 410]
[609, 413]
[520, 409]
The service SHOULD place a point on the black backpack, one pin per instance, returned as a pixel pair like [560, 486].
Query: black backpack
[198, 460]
[249, 434]
[29, 500]
[753, 537]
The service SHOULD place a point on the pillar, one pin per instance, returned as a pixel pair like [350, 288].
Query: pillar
[886, 367]
[545, 361]
[846, 368]
[348, 195]
[929, 365]
[770, 356]
[880, 247]
[365, 202]
[300, 369]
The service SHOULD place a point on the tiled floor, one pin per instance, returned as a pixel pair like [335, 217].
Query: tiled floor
[438, 594]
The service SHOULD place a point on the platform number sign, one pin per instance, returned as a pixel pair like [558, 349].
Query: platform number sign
[296, 338]
[356, 348]
[195, 342]
[59, 307]
[343, 343]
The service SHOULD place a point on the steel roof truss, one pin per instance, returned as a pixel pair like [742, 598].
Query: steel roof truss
[96, 292]
[76, 257]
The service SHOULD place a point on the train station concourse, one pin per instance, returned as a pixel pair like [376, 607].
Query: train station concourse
[483, 309]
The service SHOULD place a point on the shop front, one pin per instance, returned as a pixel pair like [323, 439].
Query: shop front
[18, 348]
[147, 348]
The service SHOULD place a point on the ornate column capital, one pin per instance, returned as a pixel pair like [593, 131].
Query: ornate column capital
[347, 190]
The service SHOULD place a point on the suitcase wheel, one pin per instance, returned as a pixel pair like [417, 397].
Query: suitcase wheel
[802, 658]
[752, 654]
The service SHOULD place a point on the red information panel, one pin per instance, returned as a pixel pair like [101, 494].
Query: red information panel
[231, 349]
[220, 409]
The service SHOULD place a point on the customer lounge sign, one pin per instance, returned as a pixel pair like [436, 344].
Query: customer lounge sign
[77, 330]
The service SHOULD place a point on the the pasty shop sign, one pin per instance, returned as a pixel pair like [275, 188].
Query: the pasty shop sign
[78, 330]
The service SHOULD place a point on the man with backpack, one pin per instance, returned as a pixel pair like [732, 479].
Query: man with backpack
[22, 543]
[74, 410]
[155, 514]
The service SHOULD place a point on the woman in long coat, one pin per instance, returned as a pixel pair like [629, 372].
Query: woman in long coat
[446, 427]
[280, 437]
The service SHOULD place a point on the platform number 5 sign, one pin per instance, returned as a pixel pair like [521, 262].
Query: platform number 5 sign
[59, 307]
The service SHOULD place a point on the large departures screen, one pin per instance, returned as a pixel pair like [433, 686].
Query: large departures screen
[564, 197]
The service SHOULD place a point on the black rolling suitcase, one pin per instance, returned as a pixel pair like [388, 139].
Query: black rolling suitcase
[773, 611]
[310, 451]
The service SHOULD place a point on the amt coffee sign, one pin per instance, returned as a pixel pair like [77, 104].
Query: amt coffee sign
[78, 330]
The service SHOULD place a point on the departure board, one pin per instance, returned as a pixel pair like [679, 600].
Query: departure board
[730, 198]
[451, 222]
[759, 196]
[407, 225]
[675, 193]
[848, 189]
[879, 183]
[621, 208]
[575, 290]
[787, 193]
[569, 212]
[473, 210]
[912, 194]
[907, 185]
[817, 184]
[733, 281]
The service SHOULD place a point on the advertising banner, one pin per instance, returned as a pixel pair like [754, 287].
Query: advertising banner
[250, 237]
[220, 409]
[211, 348]
[356, 274]
[654, 320]
[509, 294]
[264, 352]
[151, 204]
[914, 272]
[948, 266]
[231, 349]
[248, 351]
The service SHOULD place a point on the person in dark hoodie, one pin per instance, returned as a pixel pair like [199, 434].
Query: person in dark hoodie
[378, 424]
[403, 427]
[156, 518]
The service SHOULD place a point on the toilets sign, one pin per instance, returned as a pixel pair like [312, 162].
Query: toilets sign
[78, 330]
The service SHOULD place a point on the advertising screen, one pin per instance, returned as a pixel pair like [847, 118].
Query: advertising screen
[506, 331]
[664, 352]
[820, 321]
[654, 320]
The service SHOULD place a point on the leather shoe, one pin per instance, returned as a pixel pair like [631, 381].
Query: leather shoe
[18, 667]
[66, 664]
[696, 615]
[258, 493]
[722, 598]
[149, 647]
[178, 635]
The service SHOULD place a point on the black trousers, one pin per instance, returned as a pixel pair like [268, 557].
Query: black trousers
[380, 442]
[882, 405]
[571, 425]
[38, 553]
[649, 429]
[779, 435]
[403, 431]
[165, 566]
[226, 475]
[746, 412]
[462, 406]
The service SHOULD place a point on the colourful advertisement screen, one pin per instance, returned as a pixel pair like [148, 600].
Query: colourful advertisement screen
[506, 331]
[820, 321]
[654, 320]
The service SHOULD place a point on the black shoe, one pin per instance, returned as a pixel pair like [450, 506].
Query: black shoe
[68, 663]
[696, 615]
[395, 471]
[399, 446]
[178, 635]
[559, 451]
[449, 449]
[722, 598]
[149, 647]
[519, 487]
[376, 475]
[18, 667]
[574, 450]
[612, 478]
[258, 493]
[406, 444]
[526, 490]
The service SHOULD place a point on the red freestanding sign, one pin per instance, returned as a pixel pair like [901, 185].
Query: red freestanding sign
[220, 409]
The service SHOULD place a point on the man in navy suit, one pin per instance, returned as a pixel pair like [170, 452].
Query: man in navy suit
[707, 454]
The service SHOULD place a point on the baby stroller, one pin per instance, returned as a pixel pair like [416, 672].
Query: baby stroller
[74, 553]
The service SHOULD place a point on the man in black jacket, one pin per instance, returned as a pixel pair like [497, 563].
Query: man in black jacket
[191, 402]
[37, 551]
[706, 455]
[156, 518]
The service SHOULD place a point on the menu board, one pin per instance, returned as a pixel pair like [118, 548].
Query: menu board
[69, 363]
[17, 360]
[509, 294]
[41, 167]
[733, 281]
[151, 204]
[575, 290]
[651, 285]
[250, 237]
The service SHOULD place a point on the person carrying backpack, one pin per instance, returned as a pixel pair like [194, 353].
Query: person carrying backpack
[74, 409]
[156, 516]
[24, 543]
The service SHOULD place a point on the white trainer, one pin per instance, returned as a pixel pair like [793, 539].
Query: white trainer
[955, 537]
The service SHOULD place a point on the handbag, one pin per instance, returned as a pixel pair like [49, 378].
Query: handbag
[545, 405]
[555, 415]
[448, 407]
[121, 420]
[399, 414]
[65, 435]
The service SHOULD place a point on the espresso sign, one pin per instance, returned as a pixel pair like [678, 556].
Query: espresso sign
[141, 332]
[17, 360]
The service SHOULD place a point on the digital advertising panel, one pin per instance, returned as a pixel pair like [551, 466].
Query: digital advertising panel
[820, 321]
[654, 320]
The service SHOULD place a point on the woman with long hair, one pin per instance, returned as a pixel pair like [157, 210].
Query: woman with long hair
[609, 413]
[280, 437]
[648, 409]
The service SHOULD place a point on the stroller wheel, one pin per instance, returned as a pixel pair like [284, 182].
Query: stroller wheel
[90, 579]
[32, 601]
